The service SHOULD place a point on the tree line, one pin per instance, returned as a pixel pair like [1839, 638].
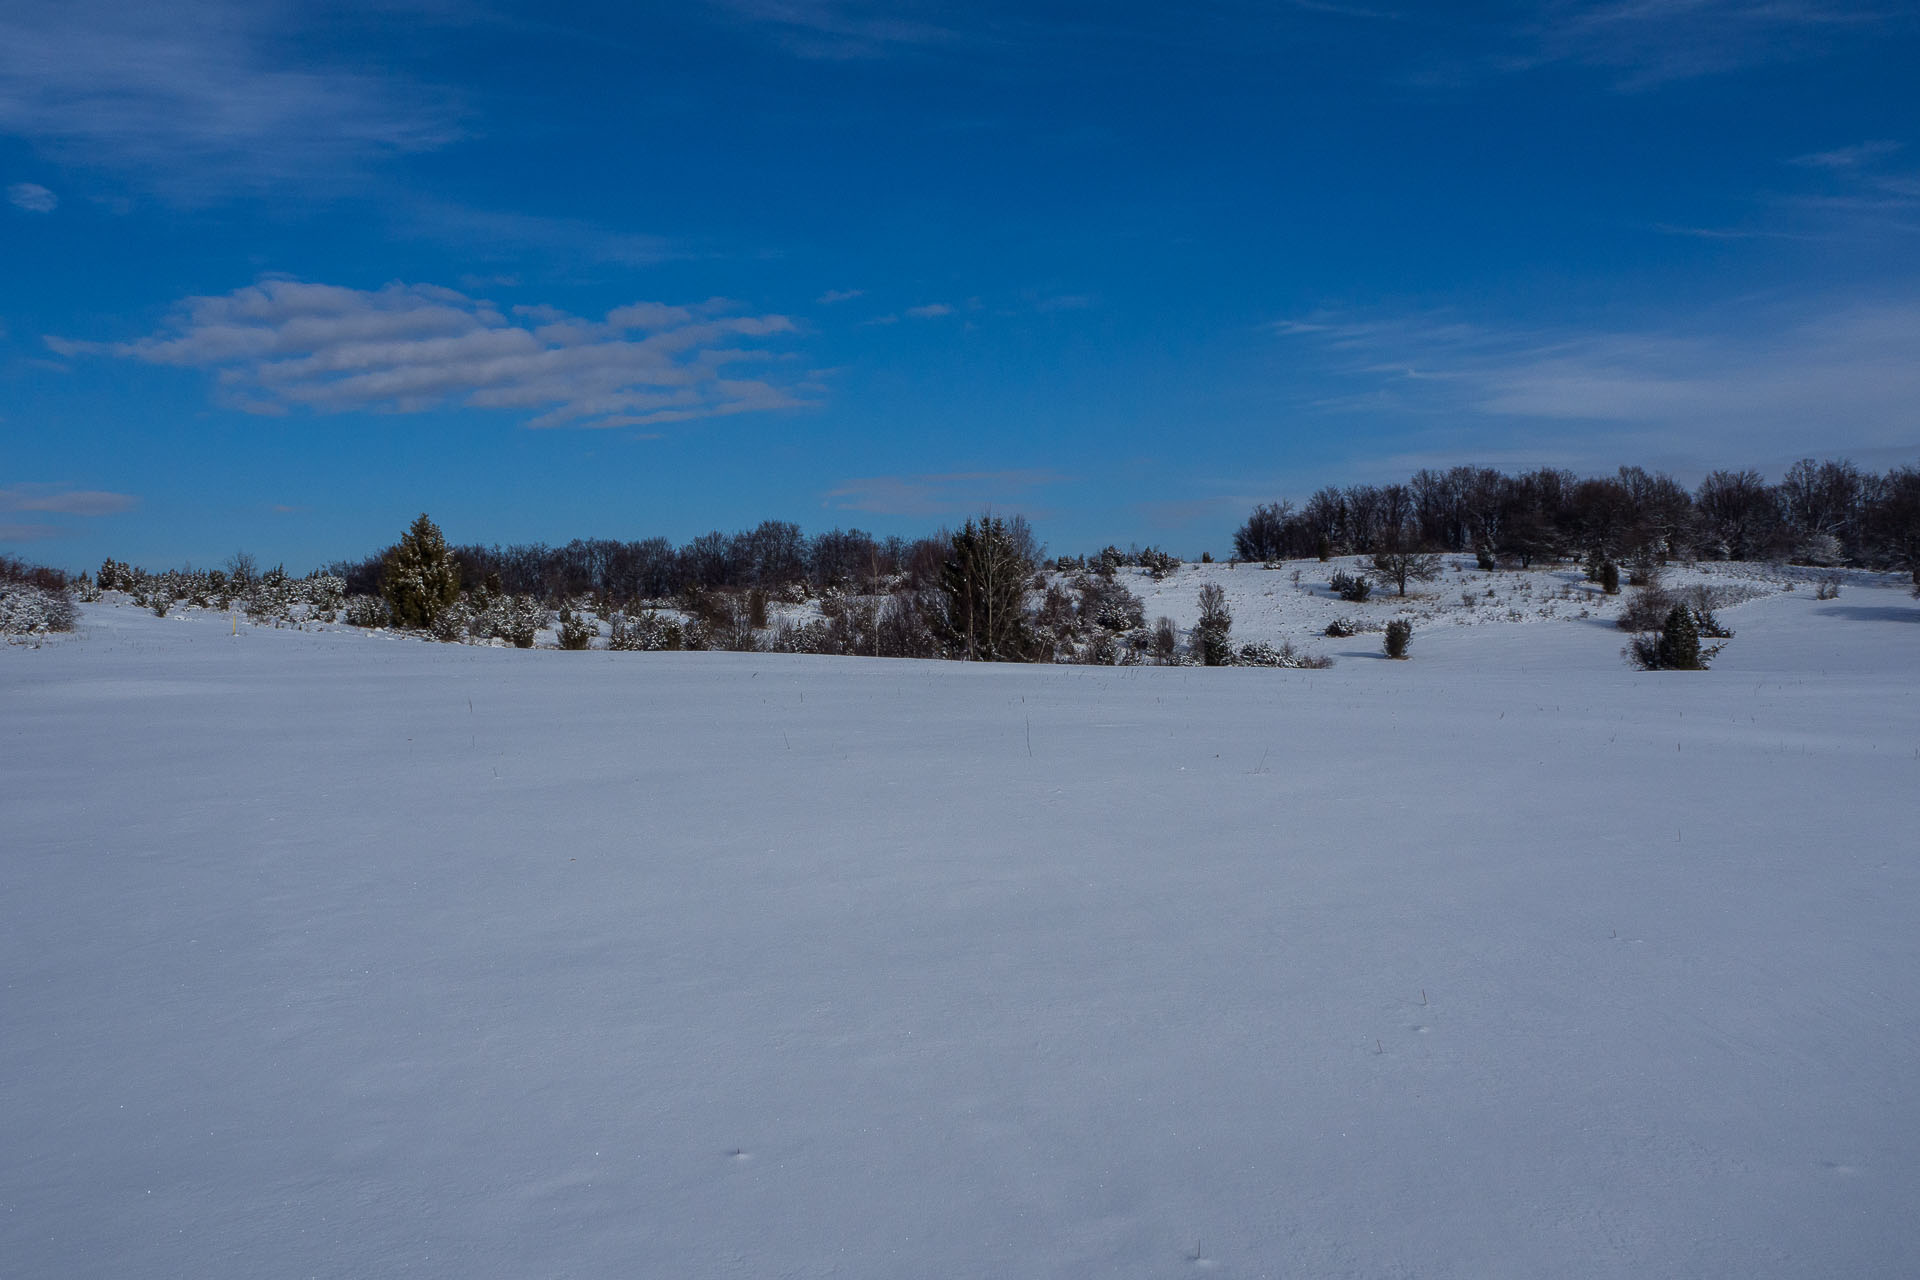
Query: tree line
[1821, 513]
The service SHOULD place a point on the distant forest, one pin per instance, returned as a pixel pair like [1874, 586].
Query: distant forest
[1821, 513]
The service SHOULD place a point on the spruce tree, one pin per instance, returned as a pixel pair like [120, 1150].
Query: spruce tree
[1679, 648]
[418, 576]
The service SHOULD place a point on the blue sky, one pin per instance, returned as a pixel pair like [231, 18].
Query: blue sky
[278, 276]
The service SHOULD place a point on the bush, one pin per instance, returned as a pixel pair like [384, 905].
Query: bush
[1676, 647]
[1159, 564]
[1647, 610]
[1259, 654]
[1354, 588]
[366, 611]
[1106, 603]
[648, 632]
[1341, 628]
[1166, 639]
[1399, 636]
[1610, 578]
[576, 630]
[1701, 600]
[452, 624]
[515, 619]
[33, 600]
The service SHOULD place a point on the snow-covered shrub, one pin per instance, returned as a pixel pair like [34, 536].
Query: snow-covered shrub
[801, 637]
[1261, 654]
[1341, 628]
[451, 624]
[1106, 603]
[1354, 588]
[366, 611]
[114, 575]
[1158, 563]
[1399, 636]
[650, 632]
[515, 619]
[33, 600]
[1828, 587]
[576, 630]
[271, 598]
[323, 594]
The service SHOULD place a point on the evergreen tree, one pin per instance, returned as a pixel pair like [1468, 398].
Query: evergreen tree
[418, 576]
[985, 581]
[1679, 648]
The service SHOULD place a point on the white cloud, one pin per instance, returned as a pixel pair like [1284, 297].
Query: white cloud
[56, 499]
[1760, 383]
[832, 296]
[931, 311]
[284, 344]
[200, 95]
[32, 197]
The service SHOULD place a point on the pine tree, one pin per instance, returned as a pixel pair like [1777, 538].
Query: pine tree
[1679, 648]
[418, 576]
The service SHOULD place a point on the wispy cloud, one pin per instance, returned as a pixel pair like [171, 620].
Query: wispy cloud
[27, 532]
[200, 96]
[508, 233]
[950, 493]
[1762, 383]
[32, 197]
[55, 499]
[844, 29]
[1647, 43]
[285, 344]
[1851, 192]
[1853, 157]
[832, 296]
[930, 311]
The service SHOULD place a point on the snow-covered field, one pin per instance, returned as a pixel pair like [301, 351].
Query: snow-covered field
[341, 954]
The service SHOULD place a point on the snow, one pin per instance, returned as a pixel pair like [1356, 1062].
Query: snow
[337, 953]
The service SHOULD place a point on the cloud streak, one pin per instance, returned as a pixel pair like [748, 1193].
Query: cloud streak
[32, 197]
[842, 30]
[54, 499]
[198, 97]
[284, 345]
[1648, 43]
[1845, 378]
